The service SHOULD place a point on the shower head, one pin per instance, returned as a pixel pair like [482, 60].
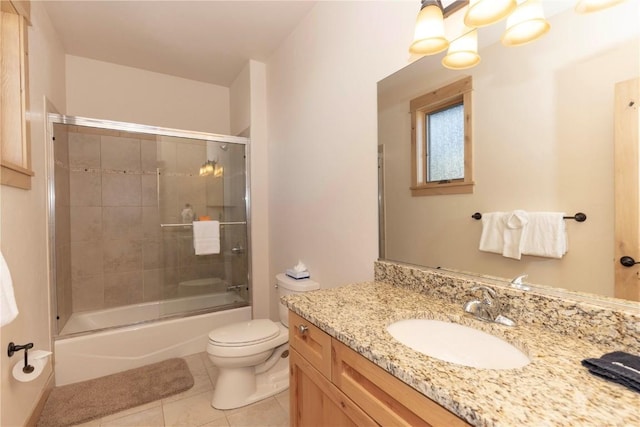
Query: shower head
[224, 147]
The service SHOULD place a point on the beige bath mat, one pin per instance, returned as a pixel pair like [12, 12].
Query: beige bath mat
[88, 400]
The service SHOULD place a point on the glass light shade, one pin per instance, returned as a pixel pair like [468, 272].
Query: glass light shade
[587, 6]
[463, 52]
[486, 12]
[429, 33]
[525, 24]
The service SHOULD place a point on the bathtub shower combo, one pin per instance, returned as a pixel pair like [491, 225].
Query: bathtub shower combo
[127, 286]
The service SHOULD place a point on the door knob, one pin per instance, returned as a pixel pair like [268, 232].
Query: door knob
[627, 261]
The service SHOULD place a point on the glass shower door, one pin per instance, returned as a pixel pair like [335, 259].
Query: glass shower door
[123, 198]
[202, 181]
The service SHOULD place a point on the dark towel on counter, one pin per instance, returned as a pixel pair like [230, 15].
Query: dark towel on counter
[620, 367]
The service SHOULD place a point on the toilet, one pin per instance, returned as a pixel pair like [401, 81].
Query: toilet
[252, 356]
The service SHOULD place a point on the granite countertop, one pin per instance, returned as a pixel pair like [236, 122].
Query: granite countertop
[553, 390]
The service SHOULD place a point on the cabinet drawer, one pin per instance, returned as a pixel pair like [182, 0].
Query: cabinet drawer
[377, 393]
[311, 342]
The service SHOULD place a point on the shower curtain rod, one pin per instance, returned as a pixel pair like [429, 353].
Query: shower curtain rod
[190, 225]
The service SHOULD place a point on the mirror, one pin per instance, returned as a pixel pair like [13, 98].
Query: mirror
[543, 126]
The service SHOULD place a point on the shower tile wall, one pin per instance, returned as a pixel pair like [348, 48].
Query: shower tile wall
[119, 253]
[113, 228]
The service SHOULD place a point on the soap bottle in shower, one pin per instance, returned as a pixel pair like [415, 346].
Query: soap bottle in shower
[187, 214]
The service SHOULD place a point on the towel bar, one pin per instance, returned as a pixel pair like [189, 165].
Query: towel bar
[190, 225]
[580, 217]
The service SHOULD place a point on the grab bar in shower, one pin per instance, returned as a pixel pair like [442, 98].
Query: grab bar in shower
[189, 225]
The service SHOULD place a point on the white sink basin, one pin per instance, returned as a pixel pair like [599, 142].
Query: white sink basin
[458, 344]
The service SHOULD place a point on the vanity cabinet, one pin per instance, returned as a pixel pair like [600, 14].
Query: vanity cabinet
[332, 385]
[314, 400]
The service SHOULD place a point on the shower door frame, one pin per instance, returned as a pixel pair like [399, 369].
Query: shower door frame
[56, 118]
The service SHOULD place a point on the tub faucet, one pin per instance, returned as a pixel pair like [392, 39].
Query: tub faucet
[487, 309]
[236, 288]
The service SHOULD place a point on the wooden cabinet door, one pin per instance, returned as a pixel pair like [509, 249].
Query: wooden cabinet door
[316, 402]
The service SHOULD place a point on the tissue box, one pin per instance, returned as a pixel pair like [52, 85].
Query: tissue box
[297, 274]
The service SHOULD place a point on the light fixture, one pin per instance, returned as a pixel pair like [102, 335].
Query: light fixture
[587, 6]
[210, 167]
[463, 51]
[486, 12]
[429, 33]
[525, 24]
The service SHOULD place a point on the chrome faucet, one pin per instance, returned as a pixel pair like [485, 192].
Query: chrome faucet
[487, 309]
[518, 283]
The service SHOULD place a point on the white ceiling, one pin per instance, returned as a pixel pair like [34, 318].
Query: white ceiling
[209, 41]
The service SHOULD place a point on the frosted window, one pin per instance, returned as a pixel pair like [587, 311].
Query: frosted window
[445, 144]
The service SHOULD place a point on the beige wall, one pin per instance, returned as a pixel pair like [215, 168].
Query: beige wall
[240, 102]
[23, 228]
[263, 279]
[322, 136]
[543, 141]
[248, 118]
[108, 91]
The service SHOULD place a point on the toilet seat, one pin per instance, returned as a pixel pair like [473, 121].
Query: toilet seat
[244, 333]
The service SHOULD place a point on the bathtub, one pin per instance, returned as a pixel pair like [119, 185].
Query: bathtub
[92, 355]
[135, 313]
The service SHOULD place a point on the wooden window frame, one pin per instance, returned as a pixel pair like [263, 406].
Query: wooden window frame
[15, 147]
[455, 93]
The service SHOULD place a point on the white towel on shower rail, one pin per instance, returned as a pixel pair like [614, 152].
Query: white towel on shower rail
[206, 237]
[8, 307]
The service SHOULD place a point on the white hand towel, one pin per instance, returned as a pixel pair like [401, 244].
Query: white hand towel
[545, 235]
[8, 307]
[516, 223]
[492, 237]
[206, 237]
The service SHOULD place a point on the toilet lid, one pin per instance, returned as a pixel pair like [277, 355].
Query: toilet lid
[244, 333]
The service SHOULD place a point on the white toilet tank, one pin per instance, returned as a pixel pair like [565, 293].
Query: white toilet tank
[287, 286]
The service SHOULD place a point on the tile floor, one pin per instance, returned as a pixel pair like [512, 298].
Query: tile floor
[192, 408]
